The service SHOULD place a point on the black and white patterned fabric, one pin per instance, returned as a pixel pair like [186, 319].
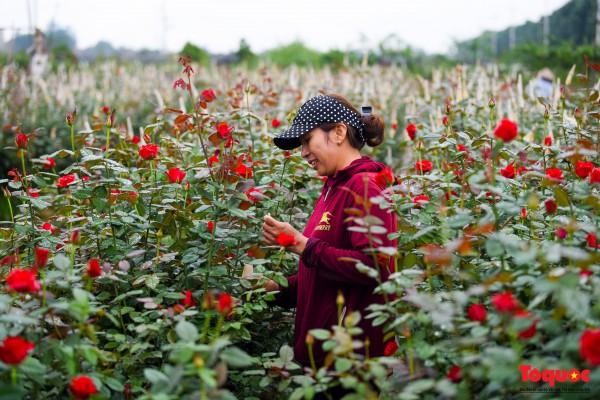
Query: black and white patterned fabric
[314, 112]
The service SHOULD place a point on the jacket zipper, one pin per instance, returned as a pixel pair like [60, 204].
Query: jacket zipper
[327, 193]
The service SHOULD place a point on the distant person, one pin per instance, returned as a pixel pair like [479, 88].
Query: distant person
[331, 132]
[542, 84]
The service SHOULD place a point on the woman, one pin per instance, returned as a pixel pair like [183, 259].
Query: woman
[332, 132]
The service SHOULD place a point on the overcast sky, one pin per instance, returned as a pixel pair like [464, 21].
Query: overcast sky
[219, 25]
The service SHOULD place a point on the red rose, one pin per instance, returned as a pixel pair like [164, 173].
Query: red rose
[560, 233]
[106, 110]
[508, 172]
[82, 387]
[49, 163]
[212, 160]
[253, 190]
[135, 139]
[149, 151]
[41, 257]
[224, 129]
[285, 240]
[548, 141]
[411, 129]
[394, 126]
[390, 348]
[208, 96]
[507, 130]
[385, 177]
[175, 175]
[421, 199]
[21, 140]
[529, 332]
[551, 206]
[461, 147]
[22, 280]
[93, 269]
[15, 349]
[595, 175]
[275, 123]
[423, 166]
[477, 312]
[554, 173]
[66, 180]
[210, 226]
[189, 299]
[224, 304]
[244, 171]
[455, 374]
[505, 302]
[47, 226]
[590, 346]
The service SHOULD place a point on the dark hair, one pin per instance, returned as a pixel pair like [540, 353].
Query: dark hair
[374, 132]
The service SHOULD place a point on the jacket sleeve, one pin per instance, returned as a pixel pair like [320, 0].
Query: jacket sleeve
[288, 296]
[329, 260]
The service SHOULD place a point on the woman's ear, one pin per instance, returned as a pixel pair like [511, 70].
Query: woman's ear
[341, 130]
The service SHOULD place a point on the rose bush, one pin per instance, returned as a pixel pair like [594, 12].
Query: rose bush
[124, 270]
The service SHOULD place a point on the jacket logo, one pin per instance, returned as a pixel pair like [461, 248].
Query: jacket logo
[324, 222]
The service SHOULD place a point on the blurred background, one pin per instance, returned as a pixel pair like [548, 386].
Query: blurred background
[417, 36]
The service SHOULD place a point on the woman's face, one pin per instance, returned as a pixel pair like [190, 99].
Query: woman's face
[321, 151]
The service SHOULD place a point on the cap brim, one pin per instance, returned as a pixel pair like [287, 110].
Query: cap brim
[290, 139]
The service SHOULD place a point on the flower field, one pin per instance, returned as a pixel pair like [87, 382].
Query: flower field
[131, 247]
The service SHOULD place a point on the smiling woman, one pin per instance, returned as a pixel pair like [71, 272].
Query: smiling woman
[331, 132]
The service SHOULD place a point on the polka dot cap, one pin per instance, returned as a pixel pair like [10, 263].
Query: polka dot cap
[314, 112]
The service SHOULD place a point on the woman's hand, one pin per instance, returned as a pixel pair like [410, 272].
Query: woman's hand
[272, 228]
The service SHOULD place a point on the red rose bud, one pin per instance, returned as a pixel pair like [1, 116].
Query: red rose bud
[523, 213]
[47, 226]
[595, 176]
[22, 281]
[560, 233]
[275, 123]
[224, 304]
[546, 113]
[75, 237]
[492, 102]
[82, 387]
[390, 348]
[505, 302]
[286, 240]
[577, 114]
[149, 151]
[394, 126]
[507, 130]
[41, 257]
[21, 140]
[455, 374]
[147, 138]
[33, 192]
[461, 147]
[583, 169]
[445, 122]
[529, 332]
[508, 172]
[548, 141]
[135, 139]
[477, 312]
[93, 269]
[385, 177]
[411, 129]
[70, 118]
[49, 163]
[106, 110]
[175, 175]
[592, 240]
[210, 226]
[287, 154]
[554, 173]
[189, 299]
[14, 350]
[551, 206]
[589, 346]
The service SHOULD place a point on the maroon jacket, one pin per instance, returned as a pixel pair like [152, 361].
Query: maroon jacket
[321, 273]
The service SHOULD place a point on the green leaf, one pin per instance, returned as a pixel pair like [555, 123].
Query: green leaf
[320, 334]
[61, 262]
[342, 365]
[186, 331]
[562, 198]
[236, 358]
[155, 377]
[286, 353]
[152, 281]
